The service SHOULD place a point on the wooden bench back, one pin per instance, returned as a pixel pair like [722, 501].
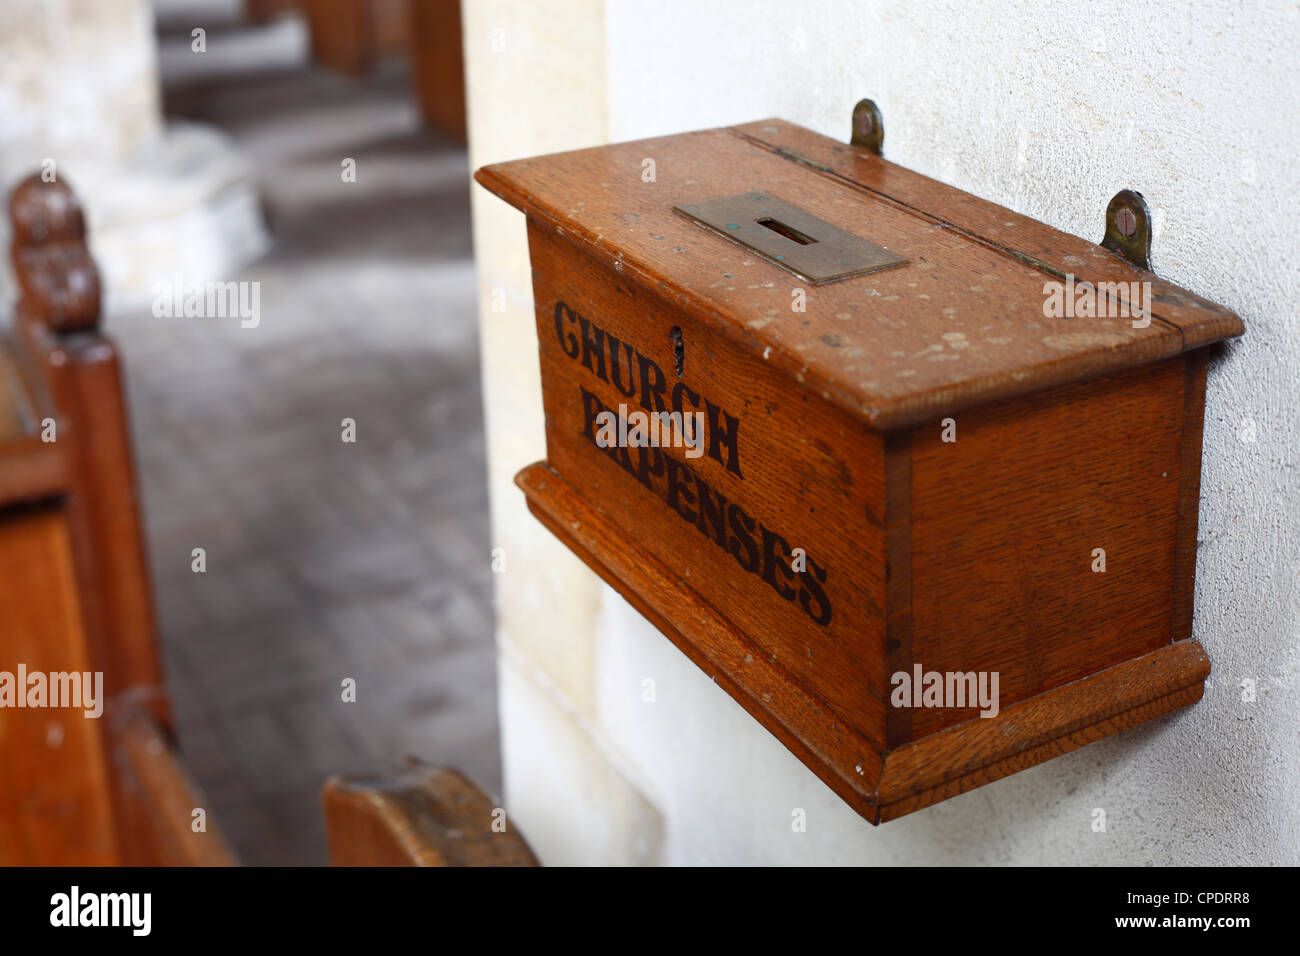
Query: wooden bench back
[91, 791]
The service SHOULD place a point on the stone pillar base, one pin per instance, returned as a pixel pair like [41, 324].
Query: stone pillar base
[184, 204]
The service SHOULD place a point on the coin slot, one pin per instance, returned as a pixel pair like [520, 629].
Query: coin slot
[790, 232]
[792, 238]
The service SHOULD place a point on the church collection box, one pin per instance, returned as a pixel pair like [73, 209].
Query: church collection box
[928, 509]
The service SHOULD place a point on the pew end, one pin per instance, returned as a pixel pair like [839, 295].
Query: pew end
[74, 582]
[423, 816]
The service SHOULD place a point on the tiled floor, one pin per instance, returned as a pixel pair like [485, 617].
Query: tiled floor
[325, 560]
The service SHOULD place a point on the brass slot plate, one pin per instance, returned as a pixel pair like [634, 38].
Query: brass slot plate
[790, 237]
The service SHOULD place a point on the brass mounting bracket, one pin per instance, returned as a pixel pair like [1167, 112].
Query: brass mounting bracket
[1128, 219]
[868, 127]
[1128, 228]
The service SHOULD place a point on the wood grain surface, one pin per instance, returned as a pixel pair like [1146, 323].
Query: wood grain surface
[879, 784]
[807, 471]
[1034, 244]
[159, 800]
[974, 487]
[844, 759]
[74, 583]
[437, 65]
[1006, 519]
[420, 817]
[962, 324]
[30, 469]
[55, 808]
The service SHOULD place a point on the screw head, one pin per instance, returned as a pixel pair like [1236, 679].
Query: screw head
[1126, 221]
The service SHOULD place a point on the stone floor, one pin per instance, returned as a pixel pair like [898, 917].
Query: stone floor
[324, 559]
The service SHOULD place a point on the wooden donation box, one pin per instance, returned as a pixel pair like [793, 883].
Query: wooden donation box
[913, 477]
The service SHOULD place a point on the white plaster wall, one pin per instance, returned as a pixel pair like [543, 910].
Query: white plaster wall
[78, 80]
[79, 86]
[1048, 108]
[535, 83]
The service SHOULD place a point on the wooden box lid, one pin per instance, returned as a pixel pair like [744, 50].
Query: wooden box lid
[962, 322]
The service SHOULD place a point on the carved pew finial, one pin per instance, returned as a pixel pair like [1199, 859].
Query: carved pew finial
[54, 269]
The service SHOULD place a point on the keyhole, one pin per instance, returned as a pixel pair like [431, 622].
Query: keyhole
[679, 348]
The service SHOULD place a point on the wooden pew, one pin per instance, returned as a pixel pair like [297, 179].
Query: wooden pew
[437, 65]
[350, 36]
[264, 11]
[74, 585]
[420, 817]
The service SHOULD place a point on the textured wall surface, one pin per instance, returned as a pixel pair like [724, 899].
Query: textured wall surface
[535, 83]
[78, 78]
[1048, 108]
[80, 86]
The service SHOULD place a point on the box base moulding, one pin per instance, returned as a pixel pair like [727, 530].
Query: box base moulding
[880, 785]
